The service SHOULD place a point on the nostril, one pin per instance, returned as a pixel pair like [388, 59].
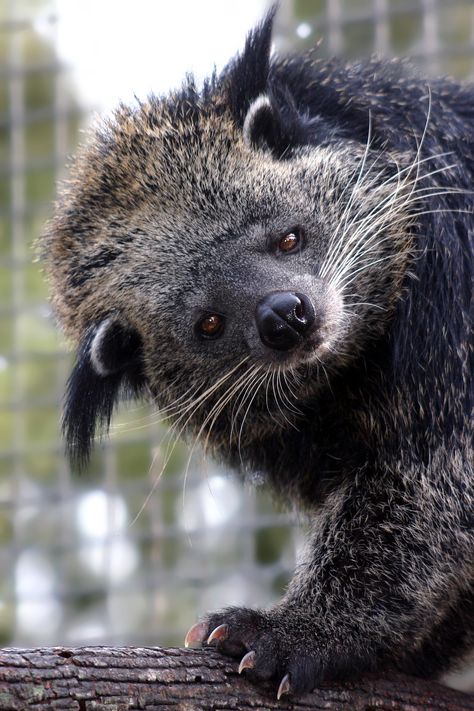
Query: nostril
[303, 315]
[299, 311]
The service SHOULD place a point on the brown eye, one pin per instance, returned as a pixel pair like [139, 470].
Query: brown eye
[290, 242]
[211, 326]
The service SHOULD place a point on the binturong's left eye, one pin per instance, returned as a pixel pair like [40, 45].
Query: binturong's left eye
[211, 326]
[290, 242]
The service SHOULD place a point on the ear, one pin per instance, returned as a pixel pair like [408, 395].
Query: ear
[108, 362]
[275, 124]
[260, 123]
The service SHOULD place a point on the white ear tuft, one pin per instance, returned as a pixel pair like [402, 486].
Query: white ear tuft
[97, 348]
[258, 121]
[115, 346]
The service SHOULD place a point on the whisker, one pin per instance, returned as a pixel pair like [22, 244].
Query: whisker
[364, 229]
[285, 400]
[198, 402]
[279, 398]
[240, 399]
[256, 385]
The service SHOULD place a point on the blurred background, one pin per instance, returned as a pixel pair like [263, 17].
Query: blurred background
[120, 555]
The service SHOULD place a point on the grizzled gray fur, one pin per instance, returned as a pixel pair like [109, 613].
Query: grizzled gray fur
[282, 261]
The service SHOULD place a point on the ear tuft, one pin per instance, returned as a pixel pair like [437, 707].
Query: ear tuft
[259, 124]
[108, 362]
[247, 75]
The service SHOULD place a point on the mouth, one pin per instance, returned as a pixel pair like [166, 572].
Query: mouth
[312, 348]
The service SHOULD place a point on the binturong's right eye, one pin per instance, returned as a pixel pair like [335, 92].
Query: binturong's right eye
[210, 326]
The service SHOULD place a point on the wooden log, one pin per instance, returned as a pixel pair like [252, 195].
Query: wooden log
[155, 679]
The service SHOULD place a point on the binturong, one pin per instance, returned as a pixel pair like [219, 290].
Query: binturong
[281, 261]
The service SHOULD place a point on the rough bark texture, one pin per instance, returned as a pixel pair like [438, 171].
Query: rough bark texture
[121, 679]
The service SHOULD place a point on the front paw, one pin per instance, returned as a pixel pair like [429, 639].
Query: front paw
[269, 644]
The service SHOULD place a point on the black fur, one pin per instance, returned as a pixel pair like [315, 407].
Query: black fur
[91, 396]
[247, 79]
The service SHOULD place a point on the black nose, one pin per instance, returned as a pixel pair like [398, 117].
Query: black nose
[282, 318]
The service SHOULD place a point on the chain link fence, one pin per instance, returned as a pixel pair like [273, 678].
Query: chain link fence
[127, 553]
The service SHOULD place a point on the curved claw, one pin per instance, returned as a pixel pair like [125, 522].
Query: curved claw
[196, 634]
[285, 687]
[247, 661]
[218, 634]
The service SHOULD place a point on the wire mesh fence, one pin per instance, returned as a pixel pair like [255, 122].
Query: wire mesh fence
[438, 36]
[128, 552]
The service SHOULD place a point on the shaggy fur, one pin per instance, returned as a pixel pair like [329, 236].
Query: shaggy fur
[175, 211]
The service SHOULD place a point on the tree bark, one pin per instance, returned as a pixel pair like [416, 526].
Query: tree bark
[154, 679]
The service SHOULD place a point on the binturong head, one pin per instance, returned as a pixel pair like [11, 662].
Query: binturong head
[223, 252]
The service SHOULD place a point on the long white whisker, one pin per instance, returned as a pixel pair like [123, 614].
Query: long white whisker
[285, 399]
[279, 398]
[243, 387]
[256, 384]
[347, 209]
[353, 273]
[210, 418]
[169, 451]
[368, 227]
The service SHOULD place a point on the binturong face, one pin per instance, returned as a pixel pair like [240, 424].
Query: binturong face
[208, 255]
